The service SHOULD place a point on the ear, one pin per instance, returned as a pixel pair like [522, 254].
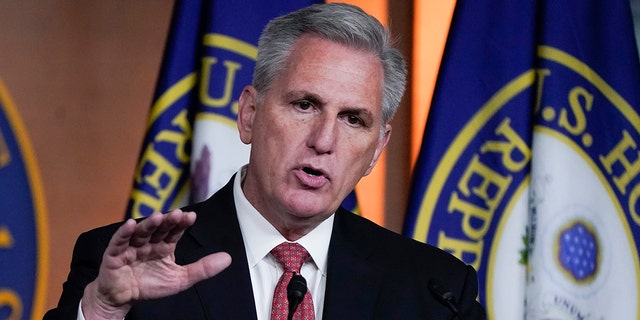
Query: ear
[246, 113]
[382, 143]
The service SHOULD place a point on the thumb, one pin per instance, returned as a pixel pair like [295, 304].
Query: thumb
[207, 267]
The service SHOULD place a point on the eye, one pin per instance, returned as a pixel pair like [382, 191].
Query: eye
[303, 105]
[354, 120]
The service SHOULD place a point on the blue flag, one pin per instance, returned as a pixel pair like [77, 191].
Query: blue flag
[24, 257]
[530, 163]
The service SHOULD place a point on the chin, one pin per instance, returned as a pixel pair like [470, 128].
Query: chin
[306, 203]
[309, 208]
[305, 211]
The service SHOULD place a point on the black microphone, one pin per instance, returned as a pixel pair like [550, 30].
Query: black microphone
[296, 289]
[445, 297]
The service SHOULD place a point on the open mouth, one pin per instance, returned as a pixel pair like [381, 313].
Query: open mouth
[312, 172]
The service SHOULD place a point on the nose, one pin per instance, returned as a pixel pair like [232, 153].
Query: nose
[323, 135]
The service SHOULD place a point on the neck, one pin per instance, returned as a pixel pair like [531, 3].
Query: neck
[293, 230]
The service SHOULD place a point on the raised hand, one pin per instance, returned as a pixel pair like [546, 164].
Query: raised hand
[139, 264]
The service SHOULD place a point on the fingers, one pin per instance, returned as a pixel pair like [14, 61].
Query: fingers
[120, 240]
[146, 228]
[156, 228]
[172, 226]
[186, 219]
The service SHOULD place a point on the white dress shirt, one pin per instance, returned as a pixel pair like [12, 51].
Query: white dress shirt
[259, 238]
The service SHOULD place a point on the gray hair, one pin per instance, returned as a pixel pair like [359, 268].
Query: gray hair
[340, 23]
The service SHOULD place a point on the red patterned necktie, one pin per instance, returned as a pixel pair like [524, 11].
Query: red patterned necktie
[291, 256]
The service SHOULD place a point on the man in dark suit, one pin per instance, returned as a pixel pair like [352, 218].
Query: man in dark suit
[326, 84]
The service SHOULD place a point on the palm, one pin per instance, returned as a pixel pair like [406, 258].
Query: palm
[139, 263]
[142, 273]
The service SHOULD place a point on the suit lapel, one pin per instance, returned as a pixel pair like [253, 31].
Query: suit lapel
[352, 282]
[228, 295]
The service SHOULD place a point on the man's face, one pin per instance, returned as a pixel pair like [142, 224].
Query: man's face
[314, 134]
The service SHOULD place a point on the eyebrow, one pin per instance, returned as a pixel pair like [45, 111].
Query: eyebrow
[304, 95]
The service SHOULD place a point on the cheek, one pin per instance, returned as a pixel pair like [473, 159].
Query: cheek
[360, 154]
[276, 137]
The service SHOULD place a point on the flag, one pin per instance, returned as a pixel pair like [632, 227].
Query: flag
[191, 147]
[530, 165]
[24, 252]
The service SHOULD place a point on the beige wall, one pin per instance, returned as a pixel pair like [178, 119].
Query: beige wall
[82, 74]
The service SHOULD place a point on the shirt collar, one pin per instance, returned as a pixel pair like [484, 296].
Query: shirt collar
[260, 236]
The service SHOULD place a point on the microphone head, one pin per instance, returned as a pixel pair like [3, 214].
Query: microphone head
[445, 297]
[439, 292]
[297, 288]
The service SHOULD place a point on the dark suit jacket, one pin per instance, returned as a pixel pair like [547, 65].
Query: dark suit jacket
[372, 273]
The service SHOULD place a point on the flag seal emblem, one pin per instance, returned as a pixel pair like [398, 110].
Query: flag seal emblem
[578, 251]
[495, 175]
[557, 239]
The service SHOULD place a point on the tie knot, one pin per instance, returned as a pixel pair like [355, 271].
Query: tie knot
[290, 255]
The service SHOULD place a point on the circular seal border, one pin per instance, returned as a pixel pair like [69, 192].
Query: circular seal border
[39, 203]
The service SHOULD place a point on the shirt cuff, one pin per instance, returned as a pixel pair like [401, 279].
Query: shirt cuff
[80, 314]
